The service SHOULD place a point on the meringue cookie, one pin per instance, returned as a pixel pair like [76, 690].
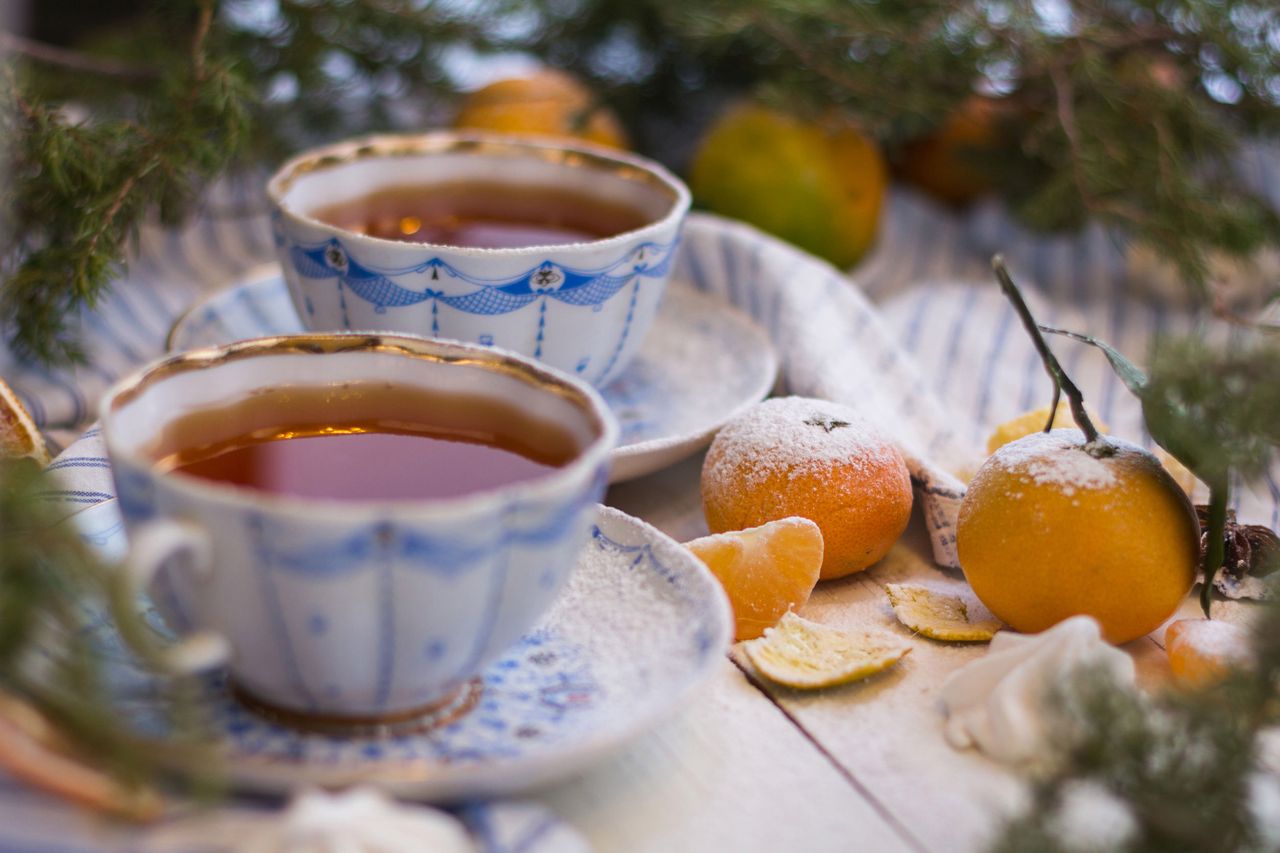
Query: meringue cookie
[998, 704]
[358, 821]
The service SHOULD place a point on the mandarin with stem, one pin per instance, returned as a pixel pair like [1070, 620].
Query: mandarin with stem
[1065, 522]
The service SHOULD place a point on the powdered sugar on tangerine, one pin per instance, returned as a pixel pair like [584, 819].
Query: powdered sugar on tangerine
[797, 436]
[1058, 458]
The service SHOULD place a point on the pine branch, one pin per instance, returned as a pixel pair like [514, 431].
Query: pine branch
[74, 60]
[79, 191]
[50, 587]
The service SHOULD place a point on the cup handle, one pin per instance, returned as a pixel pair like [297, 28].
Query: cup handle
[151, 545]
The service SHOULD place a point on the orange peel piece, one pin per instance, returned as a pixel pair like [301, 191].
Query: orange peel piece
[954, 617]
[807, 655]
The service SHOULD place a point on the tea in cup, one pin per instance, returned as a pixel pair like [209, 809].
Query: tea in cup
[367, 520]
[559, 252]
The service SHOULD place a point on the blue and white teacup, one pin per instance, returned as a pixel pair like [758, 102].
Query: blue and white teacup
[582, 307]
[354, 610]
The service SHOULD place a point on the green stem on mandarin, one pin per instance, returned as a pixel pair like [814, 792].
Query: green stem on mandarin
[1215, 549]
[1062, 383]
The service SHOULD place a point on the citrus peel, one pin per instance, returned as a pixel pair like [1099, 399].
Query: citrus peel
[957, 617]
[807, 655]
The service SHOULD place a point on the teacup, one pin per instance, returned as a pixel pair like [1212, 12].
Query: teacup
[350, 609]
[582, 307]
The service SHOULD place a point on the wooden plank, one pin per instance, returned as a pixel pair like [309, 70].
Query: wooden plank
[730, 773]
[887, 733]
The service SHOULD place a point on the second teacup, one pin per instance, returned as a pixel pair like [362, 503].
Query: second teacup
[554, 251]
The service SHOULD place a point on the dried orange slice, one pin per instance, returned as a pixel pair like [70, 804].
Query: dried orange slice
[957, 617]
[1202, 651]
[766, 570]
[807, 655]
[32, 750]
[18, 434]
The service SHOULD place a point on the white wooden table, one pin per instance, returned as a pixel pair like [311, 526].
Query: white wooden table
[751, 766]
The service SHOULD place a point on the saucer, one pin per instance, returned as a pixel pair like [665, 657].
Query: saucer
[639, 627]
[702, 363]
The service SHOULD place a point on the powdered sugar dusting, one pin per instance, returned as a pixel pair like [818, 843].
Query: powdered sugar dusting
[795, 437]
[1058, 458]
[1213, 638]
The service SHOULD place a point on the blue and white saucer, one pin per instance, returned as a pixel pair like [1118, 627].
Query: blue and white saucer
[702, 363]
[640, 626]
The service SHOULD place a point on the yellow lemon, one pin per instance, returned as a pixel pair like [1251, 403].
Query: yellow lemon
[548, 103]
[817, 184]
[1049, 529]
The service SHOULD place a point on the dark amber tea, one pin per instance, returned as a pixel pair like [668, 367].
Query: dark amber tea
[480, 214]
[364, 441]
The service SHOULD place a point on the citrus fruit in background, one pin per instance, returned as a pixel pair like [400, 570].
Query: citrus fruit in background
[816, 183]
[766, 571]
[546, 103]
[1202, 651]
[806, 655]
[815, 459]
[1049, 530]
[1034, 421]
[18, 434]
[942, 164]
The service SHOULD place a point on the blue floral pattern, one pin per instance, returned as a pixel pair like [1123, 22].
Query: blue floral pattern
[385, 288]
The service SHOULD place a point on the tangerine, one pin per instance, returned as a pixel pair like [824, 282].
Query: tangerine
[817, 184]
[1052, 527]
[815, 459]
[547, 103]
[1202, 651]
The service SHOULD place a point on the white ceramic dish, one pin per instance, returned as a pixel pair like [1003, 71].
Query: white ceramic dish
[702, 363]
[639, 628]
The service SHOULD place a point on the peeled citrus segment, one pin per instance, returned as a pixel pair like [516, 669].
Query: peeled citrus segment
[803, 654]
[1028, 422]
[1202, 651]
[19, 436]
[766, 570]
[956, 617]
